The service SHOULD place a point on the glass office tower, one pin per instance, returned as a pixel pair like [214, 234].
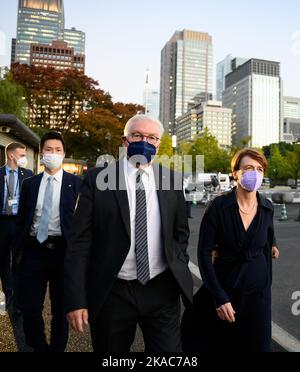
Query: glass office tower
[75, 39]
[39, 21]
[186, 72]
[254, 93]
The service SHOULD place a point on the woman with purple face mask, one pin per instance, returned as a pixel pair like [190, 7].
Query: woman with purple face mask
[237, 231]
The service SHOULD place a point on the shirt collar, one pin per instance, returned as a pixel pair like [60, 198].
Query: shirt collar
[57, 177]
[8, 168]
[131, 169]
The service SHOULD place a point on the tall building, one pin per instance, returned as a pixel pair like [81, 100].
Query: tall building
[75, 39]
[224, 68]
[254, 92]
[150, 98]
[13, 51]
[39, 21]
[186, 71]
[291, 125]
[291, 107]
[151, 102]
[58, 55]
[210, 115]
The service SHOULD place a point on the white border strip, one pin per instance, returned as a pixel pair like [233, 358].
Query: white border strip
[279, 335]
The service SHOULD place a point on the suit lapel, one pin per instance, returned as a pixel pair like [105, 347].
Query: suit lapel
[162, 197]
[21, 177]
[121, 196]
[36, 181]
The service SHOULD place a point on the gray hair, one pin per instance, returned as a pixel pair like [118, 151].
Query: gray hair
[140, 118]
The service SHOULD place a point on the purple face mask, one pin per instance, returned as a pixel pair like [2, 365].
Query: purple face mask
[251, 180]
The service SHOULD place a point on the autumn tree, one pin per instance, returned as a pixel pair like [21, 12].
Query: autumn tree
[75, 105]
[56, 97]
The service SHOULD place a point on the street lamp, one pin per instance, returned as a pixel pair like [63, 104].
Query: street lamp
[174, 143]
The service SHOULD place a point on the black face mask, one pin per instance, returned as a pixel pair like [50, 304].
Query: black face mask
[143, 150]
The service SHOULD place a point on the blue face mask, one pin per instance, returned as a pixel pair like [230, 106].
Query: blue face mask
[143, 151]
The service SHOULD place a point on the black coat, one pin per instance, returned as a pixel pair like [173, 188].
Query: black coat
[100, 241]
[28, 199]
[22, 174]
[242, 275]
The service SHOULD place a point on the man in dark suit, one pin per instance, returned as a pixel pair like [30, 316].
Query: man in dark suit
[12, 176]
[126, 263]
[43, 227]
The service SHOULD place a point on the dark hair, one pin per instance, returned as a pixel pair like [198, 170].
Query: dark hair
[253, 154]
[52, 136]
[13, 146]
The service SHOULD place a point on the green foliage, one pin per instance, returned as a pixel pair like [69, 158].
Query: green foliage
[277, 164]
[12, 99]
[293, 163]
[215, 159]
[165, 147]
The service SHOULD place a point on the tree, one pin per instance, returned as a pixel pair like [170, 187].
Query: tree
[215, 159]
[293, 163]
[283, 147]
[56, 97]
[72, 103]
[125, 111]
[277, 164]
[99, 133]
[166, 146]
[12, 98]
[185, 148]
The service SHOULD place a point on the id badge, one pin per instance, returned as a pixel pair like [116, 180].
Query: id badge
[12, 202]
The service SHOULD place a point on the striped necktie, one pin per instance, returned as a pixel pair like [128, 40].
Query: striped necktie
[141, 236]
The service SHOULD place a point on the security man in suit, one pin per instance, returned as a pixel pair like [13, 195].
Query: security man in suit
[12, 176]
[43, 227]
[126, 263]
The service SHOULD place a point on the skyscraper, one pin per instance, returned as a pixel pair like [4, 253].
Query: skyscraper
[224, 68]
[291, 125]
[254, 92]
[186, 72]
[75, 39]
[150, 98]
[39, 21]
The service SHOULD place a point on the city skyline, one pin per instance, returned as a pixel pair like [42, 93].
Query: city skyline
[123, 39]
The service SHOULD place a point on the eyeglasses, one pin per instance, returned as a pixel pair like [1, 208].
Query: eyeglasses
[137, 137]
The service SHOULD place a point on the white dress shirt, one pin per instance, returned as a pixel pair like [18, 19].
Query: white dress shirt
[54, 220]
[157, 261]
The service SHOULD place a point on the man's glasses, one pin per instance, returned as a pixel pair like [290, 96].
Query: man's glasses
[137, 137]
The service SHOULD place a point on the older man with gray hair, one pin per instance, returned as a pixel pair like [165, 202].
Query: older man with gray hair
[126, 264]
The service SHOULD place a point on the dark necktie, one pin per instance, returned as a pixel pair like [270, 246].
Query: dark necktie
[11, 189]
[141, 236]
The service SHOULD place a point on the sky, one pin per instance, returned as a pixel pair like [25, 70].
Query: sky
[125, 37]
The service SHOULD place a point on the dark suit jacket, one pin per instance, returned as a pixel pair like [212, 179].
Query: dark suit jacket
[22, 173]
[29, 194]
[100, 241]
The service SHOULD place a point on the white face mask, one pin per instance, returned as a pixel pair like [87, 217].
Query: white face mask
[22, 162]
[53, 161]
